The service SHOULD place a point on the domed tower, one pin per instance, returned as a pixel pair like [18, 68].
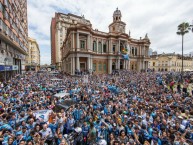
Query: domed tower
[117, 15]
[117, 26]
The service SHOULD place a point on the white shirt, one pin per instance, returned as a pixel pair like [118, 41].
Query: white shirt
[46, 133]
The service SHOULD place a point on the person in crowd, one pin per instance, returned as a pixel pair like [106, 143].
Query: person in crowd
[129, 108]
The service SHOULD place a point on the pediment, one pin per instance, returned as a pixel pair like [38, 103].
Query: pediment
[84, 27]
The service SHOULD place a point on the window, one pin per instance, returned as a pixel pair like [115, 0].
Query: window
[94, 46]
[121, 47]
[100, 47]
[132, 51]
[104, 67]
[100, 67]
[113, 28]
[82, 44]
[104, 48]
[153, 63]
[114, 46]
[135, 51]
[94, 67]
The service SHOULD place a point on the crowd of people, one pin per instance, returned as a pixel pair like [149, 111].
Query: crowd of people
[129, 108]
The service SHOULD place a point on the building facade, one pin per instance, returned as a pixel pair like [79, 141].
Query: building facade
[13, 37]
[59, 25]
[33, 57]
[170, 62]
[86, 49]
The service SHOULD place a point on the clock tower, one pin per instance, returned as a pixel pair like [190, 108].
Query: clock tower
[117, 26]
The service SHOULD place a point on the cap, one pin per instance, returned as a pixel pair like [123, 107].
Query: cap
[78, 129]
[19, 133]
[102, 142]
[180, 117]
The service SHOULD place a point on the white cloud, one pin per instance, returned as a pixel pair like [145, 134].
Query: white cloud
[157, 18]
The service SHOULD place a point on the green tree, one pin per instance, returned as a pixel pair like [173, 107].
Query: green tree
[183, 28]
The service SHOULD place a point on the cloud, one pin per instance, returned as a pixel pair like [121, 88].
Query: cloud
[157, 18]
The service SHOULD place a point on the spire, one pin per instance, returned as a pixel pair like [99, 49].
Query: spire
[146, 37]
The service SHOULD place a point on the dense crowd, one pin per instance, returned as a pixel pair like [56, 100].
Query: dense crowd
[126, 109]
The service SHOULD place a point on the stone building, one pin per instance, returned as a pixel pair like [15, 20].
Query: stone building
[170, 62]
[13, 37]
[59, 25]
[33, 57]
[86, 49]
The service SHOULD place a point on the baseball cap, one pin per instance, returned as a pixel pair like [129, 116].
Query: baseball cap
[19, 133]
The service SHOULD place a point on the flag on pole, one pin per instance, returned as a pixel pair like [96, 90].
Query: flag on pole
[126, 57]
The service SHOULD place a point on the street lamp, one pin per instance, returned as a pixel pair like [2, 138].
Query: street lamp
[5, 60]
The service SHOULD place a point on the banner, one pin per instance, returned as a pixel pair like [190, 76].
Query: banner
[7, 68]
[15, 67]
[42, 114]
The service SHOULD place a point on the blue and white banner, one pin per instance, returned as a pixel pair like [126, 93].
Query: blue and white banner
[42, 114]
[7, 68]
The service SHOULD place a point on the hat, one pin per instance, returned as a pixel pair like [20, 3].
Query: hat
[19, 133]
[78, 129]
[180, 117]
[102, 142]
[114, 125]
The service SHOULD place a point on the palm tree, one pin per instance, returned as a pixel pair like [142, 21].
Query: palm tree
[183, 28]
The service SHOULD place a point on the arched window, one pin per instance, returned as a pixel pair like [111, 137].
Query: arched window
[121, 47]
[132, 67]
[100, 47]
[113, 66]
[135, 51]
[121, 65]
[94, 46]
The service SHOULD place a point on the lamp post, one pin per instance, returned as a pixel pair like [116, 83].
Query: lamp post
[183, 28]
[5, 60]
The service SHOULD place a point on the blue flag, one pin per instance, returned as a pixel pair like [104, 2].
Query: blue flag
[126, 57]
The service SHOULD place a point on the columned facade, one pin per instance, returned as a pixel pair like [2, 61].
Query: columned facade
[85, 49]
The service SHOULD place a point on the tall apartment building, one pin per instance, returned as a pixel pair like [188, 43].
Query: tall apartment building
[86, 49]
[13, 36]
[33, 57]
[170, 62]
[59, 25]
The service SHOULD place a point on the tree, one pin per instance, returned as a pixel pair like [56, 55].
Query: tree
[183, 28]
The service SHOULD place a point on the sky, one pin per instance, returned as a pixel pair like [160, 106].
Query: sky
[159, 19]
